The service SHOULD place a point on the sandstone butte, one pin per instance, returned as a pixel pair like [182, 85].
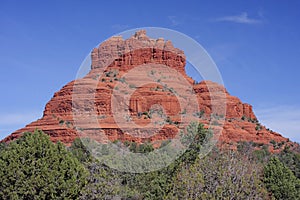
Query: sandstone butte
[110, 62]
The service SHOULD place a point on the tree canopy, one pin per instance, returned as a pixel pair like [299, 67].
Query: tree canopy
[280, 180]
[33, 167]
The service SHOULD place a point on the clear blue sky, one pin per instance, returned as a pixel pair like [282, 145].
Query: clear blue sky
[255, 44]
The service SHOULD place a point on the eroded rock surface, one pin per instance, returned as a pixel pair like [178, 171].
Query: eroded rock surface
[164, 66]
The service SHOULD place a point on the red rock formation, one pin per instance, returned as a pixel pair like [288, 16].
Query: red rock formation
[111, 63]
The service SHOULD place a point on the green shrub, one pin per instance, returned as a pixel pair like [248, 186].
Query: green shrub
[61, 122]
[132, 86]
[258, 127]
[79, 150]
[199, 114]
[33, 167]
[280, 180]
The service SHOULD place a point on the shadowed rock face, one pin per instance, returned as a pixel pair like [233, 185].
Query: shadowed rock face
[111, 61]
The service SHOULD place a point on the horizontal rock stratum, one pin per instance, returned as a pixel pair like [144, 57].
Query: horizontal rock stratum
[111, 61]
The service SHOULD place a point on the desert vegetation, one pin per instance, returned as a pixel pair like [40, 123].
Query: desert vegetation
[32, 167]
